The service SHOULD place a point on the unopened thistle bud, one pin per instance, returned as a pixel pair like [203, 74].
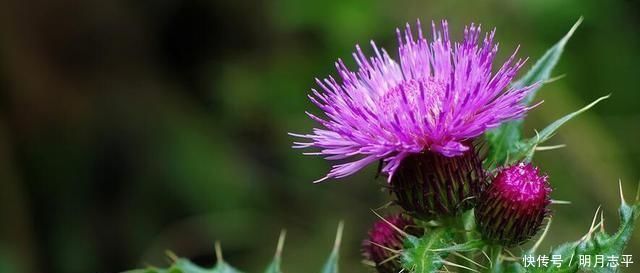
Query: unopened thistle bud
[512, 208]
[430, 185]
[385, 241]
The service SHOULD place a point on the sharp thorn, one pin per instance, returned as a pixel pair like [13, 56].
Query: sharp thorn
[459, 266]
[593, 222]
[556, 78]
[283, 235]
[467, 259]
[602, 221]
[591, 230]
[391, 225]
[621, 193]
[488, 259]
[549, 148]
[336, 245]
[560, 202]
[218, 250]
[544, 234]
[396, 251]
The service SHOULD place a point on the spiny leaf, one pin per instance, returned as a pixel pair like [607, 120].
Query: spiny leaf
[526, 148]
[331, 266]
[181, 265]
[502, 140]
[596, 242]
[602, 243]
[185, 266]
[422, 255]
[547, 132]
[541, 71]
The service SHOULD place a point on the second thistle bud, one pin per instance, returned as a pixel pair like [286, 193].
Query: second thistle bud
[512, 208]
[429, 185]
[385, 240]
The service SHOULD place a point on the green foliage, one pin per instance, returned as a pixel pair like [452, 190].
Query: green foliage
[524, 149]
[431, 252]
[503, 140]
[596, 242]
[424, 254]
[185, 266]
[181, 265]
[541, 71]
[601, 243]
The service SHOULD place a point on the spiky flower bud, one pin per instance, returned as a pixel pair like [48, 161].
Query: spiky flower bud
[428, 185]
[386, 240]
[512, 208]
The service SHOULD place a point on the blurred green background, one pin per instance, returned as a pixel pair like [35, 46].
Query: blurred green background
[131, 127]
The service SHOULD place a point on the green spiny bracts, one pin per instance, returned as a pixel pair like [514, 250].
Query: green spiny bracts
[429, 185]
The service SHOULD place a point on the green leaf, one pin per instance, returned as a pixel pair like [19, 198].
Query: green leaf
[596, 242]
[331, 266]
[541, 71]
[274, 267]
[425, 254]
[185, 266]
[601, 243]
[524, 150]
[502, 141]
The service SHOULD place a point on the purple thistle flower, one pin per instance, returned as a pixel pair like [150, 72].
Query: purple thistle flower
[438, 97]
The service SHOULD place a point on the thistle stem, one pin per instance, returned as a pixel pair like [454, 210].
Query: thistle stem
[495, 252]
[462, 225]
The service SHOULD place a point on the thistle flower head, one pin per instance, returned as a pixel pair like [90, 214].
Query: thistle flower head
[385, 242]
[512, 208]
[429, 185]
[439, 95]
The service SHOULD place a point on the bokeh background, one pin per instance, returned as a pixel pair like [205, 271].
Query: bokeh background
[131, 127]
